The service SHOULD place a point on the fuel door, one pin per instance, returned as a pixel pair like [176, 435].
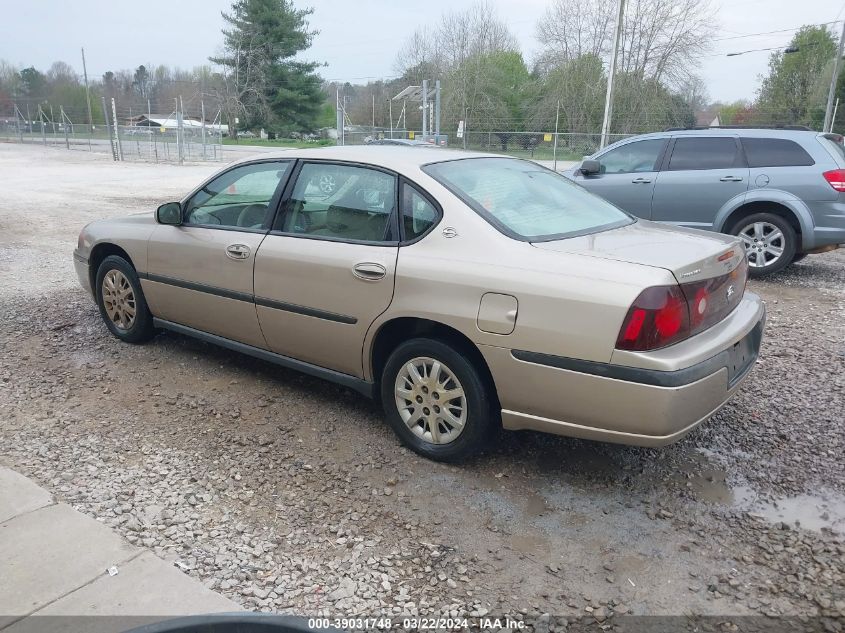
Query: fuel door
[497, 313]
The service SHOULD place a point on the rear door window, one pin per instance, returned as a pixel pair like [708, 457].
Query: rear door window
[719, 152]
[775, 152]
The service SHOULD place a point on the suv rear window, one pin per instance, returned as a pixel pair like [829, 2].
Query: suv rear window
[775, 152]
[718, 152]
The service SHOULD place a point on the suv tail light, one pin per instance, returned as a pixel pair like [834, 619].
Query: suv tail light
[663, 315]
[836, 179]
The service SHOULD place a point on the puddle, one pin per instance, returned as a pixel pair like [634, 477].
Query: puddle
[811, 512]
[536, 505]
[530, 544]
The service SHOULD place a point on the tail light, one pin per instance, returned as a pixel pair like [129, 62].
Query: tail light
[663, 315]
[836, 179]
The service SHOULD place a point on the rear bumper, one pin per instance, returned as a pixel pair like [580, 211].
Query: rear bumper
[624, 404]
[828, 225]
[80, 264]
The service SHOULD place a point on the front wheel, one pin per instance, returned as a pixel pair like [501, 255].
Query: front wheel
[436, 400]
[121, 301]
[770, 242]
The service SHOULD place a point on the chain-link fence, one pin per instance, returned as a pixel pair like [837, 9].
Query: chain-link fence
[562, 146]
[170, 137]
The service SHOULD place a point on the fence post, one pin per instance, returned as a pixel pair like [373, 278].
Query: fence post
[116, 129]
[202, 111]
[64, 125]
[17, 123]
[180, 130]
[108, 129]
[41, 117]
[186, 148]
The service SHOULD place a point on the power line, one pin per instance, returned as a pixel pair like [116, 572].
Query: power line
[798, 28]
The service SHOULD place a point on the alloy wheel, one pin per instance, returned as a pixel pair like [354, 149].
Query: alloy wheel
[431, 400]
[119, 299]
[764, 243]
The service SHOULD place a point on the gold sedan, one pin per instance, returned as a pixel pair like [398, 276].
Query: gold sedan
[465, 291]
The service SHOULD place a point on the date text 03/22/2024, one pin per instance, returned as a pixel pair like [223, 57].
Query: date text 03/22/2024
[417, 623]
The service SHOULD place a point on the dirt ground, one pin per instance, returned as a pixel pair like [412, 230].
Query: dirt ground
[289, 494]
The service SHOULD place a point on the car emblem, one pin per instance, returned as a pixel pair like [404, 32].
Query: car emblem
[730, 291]
[450, 231]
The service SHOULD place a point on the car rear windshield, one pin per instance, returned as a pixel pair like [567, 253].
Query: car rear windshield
[526, 201]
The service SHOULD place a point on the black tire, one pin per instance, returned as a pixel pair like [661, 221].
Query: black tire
[790, 243]
[141, 329]
[798, 257]
[480, 422]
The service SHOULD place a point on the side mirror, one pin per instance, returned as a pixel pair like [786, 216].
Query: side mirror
[590, 166]
[169, 213]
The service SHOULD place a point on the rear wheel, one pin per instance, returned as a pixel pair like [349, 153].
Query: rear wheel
[798, 257]
[121, 301]
[436, 400]
[770, 242]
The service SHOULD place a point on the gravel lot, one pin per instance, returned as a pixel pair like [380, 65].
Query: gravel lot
[287, 493]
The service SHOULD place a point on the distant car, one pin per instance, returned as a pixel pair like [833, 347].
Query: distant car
[461, 290]
[782, 191]
[247, 134]
[401, 141]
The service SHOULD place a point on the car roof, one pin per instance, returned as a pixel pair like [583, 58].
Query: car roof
[396, 157]
[795, 135]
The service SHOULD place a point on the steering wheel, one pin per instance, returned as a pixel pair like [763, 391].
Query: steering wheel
[252, 216]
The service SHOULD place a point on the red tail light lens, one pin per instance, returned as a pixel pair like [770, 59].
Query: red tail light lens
[658, 317]
[836, 179]
[663, 315]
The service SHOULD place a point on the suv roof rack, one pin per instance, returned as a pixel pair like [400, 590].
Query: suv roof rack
[802, 128]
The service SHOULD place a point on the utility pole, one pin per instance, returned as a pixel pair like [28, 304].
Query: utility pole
[424, 106]
[557, 120]
[608, 101]
[437, 112]
[87, 99]
[828, 113]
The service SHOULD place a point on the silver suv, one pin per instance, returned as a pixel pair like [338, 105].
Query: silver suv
[782, 191]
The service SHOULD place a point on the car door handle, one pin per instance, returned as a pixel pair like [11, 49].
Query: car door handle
[369, 271]
[730, 179]
[641, 181]
[237, 251]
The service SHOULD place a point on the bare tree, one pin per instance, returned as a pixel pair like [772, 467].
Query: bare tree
[661, 40]
[459, 50]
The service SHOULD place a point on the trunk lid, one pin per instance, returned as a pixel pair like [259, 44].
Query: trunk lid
[690, 254]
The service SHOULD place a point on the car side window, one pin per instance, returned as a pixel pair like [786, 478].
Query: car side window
[418, 214]
[634, 157]
[775, 152]
[344, 202]
[239, 198]
[717, 152]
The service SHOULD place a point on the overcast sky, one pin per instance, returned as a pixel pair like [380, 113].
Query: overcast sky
[357, 40]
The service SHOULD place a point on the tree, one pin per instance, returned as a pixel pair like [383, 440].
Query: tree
[261, 79]
[141, 81]
[739, 112]
[33, 84]
[786, 93]
[460, 50]
[661, 39]
[579, 84]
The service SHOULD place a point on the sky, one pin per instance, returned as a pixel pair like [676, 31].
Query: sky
[357, 40]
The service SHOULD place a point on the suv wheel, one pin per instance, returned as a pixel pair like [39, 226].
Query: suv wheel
[121, 301]
[436, 401]
[770, 242]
